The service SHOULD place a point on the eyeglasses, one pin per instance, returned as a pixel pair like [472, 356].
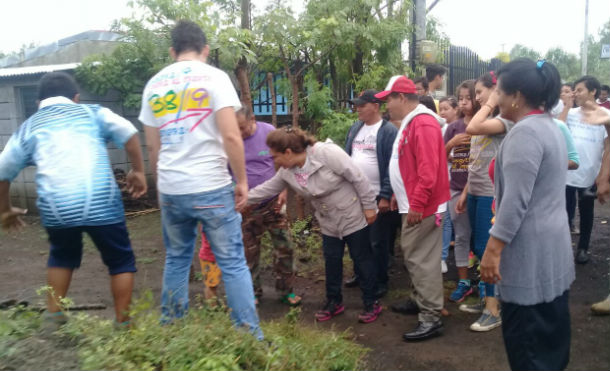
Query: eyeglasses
[288, 129]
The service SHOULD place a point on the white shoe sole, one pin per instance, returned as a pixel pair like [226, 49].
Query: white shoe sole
[477, 328]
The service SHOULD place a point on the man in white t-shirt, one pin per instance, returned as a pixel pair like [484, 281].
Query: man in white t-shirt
[188, 110]
[420, 181]
[590, 141]
[369, 143]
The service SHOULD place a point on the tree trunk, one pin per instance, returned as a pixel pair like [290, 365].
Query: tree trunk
[241, 71]
[243, 79]
[273, 99]
[295, 100]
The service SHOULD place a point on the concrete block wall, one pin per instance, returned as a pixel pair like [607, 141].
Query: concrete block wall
[23, 188]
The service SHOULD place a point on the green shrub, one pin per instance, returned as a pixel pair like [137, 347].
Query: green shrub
[206, 339]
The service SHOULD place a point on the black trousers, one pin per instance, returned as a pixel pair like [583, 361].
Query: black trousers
[537, 337]
[359, 245]
[585, 207]
[383, 235]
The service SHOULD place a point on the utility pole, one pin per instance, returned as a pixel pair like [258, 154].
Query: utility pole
[585, 44]
[419, 28]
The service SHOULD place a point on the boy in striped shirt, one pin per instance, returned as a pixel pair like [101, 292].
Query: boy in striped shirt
[76, 188]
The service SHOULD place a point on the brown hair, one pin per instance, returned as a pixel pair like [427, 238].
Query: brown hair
[468, 84]
[289, 137]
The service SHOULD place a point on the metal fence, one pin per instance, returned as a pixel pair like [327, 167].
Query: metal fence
[261, 98]
[463, 64]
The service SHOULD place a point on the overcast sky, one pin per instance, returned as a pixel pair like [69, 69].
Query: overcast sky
[486, 26]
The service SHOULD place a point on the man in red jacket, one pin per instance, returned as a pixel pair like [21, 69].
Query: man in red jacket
[420, 181]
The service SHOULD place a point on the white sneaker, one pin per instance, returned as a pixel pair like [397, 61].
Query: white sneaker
[443, 267]
[486, 322]
[473, 308]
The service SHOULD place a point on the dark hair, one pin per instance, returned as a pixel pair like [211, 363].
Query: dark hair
[434, 70]
[57, 84]
[488, 79]
[246, 111]
[411, 97]
[423, 81]
[591, 83]
[427, 101]
[605, 88]
[450, 99]
[568, 84]
[289, 137]
[468, 84]
[188, 36]
[539, 83]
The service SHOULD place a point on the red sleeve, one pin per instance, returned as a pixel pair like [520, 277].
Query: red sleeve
[427, 144]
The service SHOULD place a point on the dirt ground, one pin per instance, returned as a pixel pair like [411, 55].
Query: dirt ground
[23, 258]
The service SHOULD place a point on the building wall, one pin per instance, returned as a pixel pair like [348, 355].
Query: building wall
[23, 189]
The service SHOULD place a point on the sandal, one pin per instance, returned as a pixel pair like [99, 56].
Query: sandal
[291, 299]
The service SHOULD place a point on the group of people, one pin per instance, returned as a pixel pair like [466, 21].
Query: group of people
[490, 169]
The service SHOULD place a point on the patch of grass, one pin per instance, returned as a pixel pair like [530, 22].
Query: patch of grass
[206, 340]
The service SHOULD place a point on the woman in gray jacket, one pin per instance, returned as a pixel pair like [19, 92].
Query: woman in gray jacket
[529, 252]
[344, 205]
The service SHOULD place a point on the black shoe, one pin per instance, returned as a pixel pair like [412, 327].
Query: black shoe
[424, 330]
[352, 282]
[581, 256]
[405, 307]
[382, 290]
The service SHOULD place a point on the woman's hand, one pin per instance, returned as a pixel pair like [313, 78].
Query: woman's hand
[490, 264]
[370, 215]
[460, 206]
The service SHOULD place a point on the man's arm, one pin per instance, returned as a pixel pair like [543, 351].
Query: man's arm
[153, 145]
[234, 147]
[136, 180]
[10, 216]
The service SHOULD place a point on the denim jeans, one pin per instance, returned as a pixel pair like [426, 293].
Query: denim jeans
[447, 234]
[359, 245]
[480, 215]
[215, 210]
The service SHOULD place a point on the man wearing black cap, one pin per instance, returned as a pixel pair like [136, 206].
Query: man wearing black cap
[369, 143]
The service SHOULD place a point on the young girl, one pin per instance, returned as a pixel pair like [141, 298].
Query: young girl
[344, 204]
[457, 144]
[488, 130]
[448, 109]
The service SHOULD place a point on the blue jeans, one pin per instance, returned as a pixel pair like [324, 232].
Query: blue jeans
[215, 210]
[447, 234]
[480, 215]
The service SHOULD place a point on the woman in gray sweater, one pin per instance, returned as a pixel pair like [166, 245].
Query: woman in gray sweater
[529, 251]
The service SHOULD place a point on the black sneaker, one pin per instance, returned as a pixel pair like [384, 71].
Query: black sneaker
[406, 307]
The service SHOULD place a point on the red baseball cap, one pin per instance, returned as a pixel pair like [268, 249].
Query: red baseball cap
[397, 84]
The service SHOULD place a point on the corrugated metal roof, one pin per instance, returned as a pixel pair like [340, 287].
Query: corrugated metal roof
[33, 70]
